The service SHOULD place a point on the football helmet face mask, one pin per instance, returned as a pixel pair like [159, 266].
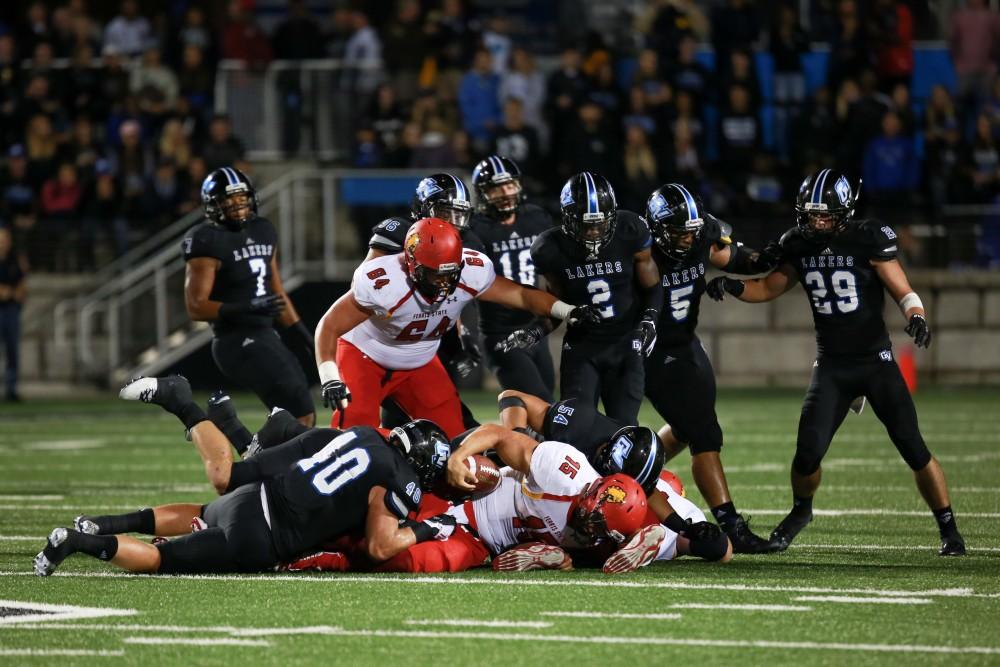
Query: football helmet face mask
[229, 197]
[675, 220]
[589, 210]
[432, 254]
[635, 451]
[824, 205]
[445, 197]
[425, 447]
[497, 181]
[612, 507]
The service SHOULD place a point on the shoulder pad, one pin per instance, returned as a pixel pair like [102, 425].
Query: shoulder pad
[390, 234]
[718, 231]
[879, 237]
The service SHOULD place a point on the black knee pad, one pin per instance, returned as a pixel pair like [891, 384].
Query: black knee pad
[204, 551]
[808, 453]
[915, 453]
[711, 549]
[707, 439]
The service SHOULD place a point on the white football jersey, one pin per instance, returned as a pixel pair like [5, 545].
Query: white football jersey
[536, 508]
[404, 331]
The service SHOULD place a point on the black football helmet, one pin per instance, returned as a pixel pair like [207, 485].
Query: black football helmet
[634, 450]
[425, 447]
[675, 219]
[445, 197]
[496, 171]
[229, 197]
[825, 204]
[589, 210]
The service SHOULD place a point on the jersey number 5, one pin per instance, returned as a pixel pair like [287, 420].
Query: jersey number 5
[259, 267]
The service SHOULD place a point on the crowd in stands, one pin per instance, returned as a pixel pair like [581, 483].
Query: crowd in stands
[115, 143]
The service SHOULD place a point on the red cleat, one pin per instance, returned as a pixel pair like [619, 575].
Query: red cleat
[321, 561]
[637, 552]
[533, 556]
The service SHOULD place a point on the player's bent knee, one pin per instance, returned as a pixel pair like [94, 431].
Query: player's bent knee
[805, 464]
[917, 456]
[714, 549]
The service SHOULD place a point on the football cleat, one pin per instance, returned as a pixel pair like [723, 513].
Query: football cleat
[321, 561]
[637, 552]
[280, 426]
[172, 393]
[953, 545]
[59, 545]
[534, 556]
[744, 540]
[789, 527]
[85, 524]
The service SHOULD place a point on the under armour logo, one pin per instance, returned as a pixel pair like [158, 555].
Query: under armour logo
[247, 341]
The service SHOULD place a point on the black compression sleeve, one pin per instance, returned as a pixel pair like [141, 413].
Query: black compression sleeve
[741, 260]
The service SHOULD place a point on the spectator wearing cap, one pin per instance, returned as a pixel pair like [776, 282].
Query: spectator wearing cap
[478, 95]
[13, 290]
[128, 33]
[222, 149]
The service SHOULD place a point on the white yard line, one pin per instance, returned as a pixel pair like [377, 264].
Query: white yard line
[872, 512]
[478, 623]
[195, 641]
[53, 652]
[608, 614]
[27, 497]
[886, 547]
[847, 599]
[312, 580]
[743, 607]
[135, 627]
[55, 612]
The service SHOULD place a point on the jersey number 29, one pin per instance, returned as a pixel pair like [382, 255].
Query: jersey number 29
[844, 286]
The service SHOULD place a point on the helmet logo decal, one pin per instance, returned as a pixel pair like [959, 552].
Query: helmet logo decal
[620, 450]
[566, 196]
[818, 185]
[441, 453]
[658, 207]
[843, 190]
[614, 494]
[426, 188]
[412, 242]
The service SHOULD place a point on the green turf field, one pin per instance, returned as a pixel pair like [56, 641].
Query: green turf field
[863, 585]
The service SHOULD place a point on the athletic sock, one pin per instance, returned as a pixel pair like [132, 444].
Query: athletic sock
[224, 416]
[103, 547]
[142, 521]
[802, 505]
[946, 521]
[191, 415]
[725, 515]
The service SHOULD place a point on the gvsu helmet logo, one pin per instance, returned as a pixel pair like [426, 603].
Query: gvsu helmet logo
[566, 196]
[658, 207]
[843, 190]
[620, 451]
[426, 188]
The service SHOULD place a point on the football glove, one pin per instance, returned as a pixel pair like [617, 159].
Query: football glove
[272, 305]
[336, 395]
[919, 331]
[588, 315]
[520, 339]
[768, 258]
[465, 360]
[717, 287]
[645, 333]
[439, 527]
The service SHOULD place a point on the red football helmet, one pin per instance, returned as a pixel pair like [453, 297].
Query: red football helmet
[433, 255]
[612, 507]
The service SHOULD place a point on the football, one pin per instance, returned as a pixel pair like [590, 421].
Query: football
[487, 473]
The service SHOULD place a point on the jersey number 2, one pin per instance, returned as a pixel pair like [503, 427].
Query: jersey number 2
[259, 267]
[844, 286]
[600, 293]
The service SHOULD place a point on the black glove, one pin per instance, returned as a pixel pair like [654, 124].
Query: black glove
[336, 395]
[701, 531]
[645, 333]
[588, 315]
[465, 360]
[768, 258]
[919, 331]
[520, 339]
[439, 527]
[717, 287]
[270, 305]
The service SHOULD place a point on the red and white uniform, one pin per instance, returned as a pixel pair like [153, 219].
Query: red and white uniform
[393, 353]
[533, 507]
[686, 509]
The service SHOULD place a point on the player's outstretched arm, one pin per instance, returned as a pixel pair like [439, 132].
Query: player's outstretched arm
[342, 316]
[514, 449]
[521, 410]
[738, 259]
[703, 539]
[386, 535]
[891, 274]
[757, 290]
[508, 293]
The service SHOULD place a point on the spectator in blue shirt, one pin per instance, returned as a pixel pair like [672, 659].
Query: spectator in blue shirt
[890, 166]
[478, 98]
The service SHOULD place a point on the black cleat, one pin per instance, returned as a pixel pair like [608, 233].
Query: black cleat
[86, 524]
[789, 527]
[220, 408]
[172, 393]
[744, 540]
[279, 427]
[61, 543]
[953, 545]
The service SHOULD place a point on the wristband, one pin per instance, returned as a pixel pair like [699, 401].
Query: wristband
[422, 532]
[561, 310]
[511, 402]
[675, 523]
[911, 300]
[328, 372]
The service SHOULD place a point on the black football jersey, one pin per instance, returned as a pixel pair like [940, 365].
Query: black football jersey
[326, 495]
[683, 284]
[607, 281]
[578, 423]
[509, 246]
[245, 270]
[844, 291]
[389, 235]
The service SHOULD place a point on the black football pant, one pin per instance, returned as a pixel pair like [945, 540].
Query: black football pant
[837, 382]
[530, 370]
[611, 372]
[257, 359]
[680, 383]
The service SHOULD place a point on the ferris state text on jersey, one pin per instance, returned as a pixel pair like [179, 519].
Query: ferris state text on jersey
[509, 246]
[244, 264]
[683, 284]
[845, 292]
[606, 281]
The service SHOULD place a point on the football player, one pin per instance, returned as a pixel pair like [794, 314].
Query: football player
[380, 339]
[232, 280]
[507, 227]
[845, 266]
[445, 197]
[559, 501]
[601, 257]
[352, 480]
[680, 382]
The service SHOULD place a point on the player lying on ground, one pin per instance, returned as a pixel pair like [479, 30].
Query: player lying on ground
[845, 266]
[357, 480]
[553, 499]
[380, 338]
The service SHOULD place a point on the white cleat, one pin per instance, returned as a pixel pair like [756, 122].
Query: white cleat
[535, 556]
[85, 524]
[139, 389]
[46, 563]
[637, 552]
